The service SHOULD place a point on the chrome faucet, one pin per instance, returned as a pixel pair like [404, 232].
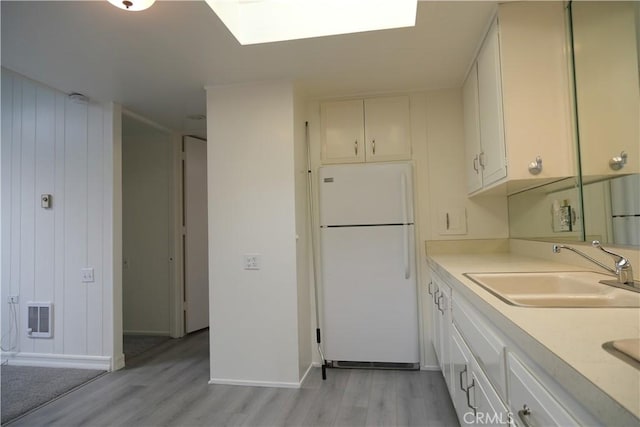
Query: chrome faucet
[622, 269]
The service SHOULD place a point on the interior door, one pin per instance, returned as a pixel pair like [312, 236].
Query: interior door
[196, 257]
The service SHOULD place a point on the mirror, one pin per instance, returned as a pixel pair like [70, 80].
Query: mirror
[606, 38]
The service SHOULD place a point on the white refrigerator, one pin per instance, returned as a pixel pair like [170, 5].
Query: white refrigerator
[625, 210]
[370, 305]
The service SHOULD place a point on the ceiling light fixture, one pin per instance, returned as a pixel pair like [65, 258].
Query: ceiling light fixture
[132, 5]
[264, 21]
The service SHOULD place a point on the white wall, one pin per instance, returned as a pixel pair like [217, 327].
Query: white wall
[53, 145]
[252, 209]
[146, 216]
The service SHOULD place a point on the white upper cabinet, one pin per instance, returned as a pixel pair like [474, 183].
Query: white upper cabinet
[387, 128]
[370, 130]
[607, 89]
[492, 156]
[342, 131]
[472, 148]
[521, 108]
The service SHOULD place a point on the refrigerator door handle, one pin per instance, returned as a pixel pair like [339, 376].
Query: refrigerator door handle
[405, 226]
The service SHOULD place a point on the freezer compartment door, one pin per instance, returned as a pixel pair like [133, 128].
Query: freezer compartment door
[366, 194]
[370, 307]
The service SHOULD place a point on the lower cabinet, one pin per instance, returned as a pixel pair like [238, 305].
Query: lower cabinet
[530, 400]
[490, 380]
[475, 399]
[441, 324]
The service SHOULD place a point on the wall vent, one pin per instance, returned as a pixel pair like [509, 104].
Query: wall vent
[39, 323]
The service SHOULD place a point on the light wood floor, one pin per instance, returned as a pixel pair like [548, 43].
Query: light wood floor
[169, 388]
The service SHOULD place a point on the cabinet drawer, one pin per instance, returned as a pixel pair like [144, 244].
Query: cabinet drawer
[484, 343]
[531, 403]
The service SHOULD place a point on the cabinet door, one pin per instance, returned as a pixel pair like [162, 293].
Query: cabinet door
[461, 374]
[342, 132]
[607, 90]
[487, 407]
[531, 402]
[493, 155]
[387, 129]
[472, 130]
[443, 312]
[436, 331]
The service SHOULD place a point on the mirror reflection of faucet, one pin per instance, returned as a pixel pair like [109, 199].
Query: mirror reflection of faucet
[622, 270]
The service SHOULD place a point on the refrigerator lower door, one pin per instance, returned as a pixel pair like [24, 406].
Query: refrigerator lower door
[626, 230]
[370, 307]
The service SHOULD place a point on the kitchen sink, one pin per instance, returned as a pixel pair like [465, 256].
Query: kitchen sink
[566, 289]
[627, 350]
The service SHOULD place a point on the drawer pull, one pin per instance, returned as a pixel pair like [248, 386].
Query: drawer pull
[473, 384]
[464, 371]
[524, 414]
[355, 146]
[429, 288]
[438, 303]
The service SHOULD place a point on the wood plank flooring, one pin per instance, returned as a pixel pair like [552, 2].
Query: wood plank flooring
[168, 387]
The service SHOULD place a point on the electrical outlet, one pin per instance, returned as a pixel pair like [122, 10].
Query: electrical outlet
[12, 299]
[87, 275]
[252, 261]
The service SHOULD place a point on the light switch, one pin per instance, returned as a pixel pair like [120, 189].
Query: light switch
[87, 275]
[252, 261]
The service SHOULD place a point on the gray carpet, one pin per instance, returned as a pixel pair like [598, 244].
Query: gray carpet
[26, 387]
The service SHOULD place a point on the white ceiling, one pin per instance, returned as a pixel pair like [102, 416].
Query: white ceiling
[156, 63]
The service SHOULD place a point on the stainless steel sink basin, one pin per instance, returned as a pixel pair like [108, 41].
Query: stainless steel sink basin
[565, 289]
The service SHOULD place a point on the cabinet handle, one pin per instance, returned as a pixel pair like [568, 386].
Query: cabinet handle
[373, 143]
[524, 415]
[464, 371]
[435, 296]
[355, 146]
[448, 224]
[429, 288]
[481, 159]
[473, 384]
[438, 304]
[475, 164]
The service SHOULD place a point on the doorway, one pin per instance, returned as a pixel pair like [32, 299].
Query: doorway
[195, 237]
[147, 179]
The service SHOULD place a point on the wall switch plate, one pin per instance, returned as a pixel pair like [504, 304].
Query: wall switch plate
[87, 275]
[252, 261]
[12, 299]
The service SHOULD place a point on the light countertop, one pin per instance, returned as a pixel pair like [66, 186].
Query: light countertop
[566, 342]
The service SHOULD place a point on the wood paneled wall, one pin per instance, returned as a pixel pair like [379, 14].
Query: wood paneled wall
[54, 145]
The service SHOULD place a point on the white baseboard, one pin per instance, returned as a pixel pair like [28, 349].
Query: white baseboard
[50, 360]
[118, 363]
[430, 368]
[158, 333]
[304, 377]
[254, 383]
